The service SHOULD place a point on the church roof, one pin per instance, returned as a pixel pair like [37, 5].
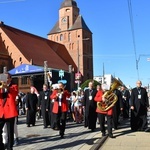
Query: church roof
[68, 3]
[39, 49]
[55, 29]
[78, 24]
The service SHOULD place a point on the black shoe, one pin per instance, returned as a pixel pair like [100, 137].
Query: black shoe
[111, 136]
[33, 124]
[44, 127]
[5, 146]
[92, 130]
[61, 134]
[15, 142]
[103, 134]
[28, 125]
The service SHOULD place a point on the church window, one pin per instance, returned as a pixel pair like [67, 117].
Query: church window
[61, 37]
[70, 46]
[69, 37]
[20, 59]
[67, 10]
[14, 62]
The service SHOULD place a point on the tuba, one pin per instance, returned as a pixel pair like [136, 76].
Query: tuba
[111, 98]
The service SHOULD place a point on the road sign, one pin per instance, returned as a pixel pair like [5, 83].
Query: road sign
[63, 81]
[61, 74]
[78, 76]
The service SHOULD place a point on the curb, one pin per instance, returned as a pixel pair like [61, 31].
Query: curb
[99, 143]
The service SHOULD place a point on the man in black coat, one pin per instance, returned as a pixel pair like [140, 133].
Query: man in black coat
[125, 98]
[118, 107]
[44, 105]
[90, 107]
[139, 106]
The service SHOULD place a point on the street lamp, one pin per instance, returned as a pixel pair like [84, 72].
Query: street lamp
[78, 62]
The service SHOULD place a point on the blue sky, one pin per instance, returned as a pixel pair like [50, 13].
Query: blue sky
[110, 24]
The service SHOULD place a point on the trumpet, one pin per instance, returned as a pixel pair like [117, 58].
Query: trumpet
[3, 81]
[3, 85]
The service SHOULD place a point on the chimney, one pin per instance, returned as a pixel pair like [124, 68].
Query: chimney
[1, 23]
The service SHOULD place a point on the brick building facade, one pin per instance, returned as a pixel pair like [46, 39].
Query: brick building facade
[72, 31]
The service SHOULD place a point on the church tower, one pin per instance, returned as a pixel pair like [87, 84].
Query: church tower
[72, 31]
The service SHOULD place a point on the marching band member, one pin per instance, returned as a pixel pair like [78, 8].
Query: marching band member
[101, 114]
[60, 106]
[8, 111]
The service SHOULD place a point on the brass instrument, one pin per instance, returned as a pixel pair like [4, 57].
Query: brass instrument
[3, 81]
[2, 84]
[111, 98]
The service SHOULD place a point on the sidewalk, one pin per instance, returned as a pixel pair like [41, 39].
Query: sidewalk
[79, 138]
[127, 140]
[36, 138]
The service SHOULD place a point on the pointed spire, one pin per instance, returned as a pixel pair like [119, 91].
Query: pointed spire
[68, 3]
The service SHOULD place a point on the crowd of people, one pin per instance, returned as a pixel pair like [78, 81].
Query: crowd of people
[55, 105]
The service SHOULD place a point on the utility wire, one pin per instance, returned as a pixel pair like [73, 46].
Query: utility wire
[11, 1]
[133, 34]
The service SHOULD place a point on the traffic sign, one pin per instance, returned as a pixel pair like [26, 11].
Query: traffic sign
[63, 81]
[61, 74]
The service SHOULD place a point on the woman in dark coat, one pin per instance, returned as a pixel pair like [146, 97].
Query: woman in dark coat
[31, 107]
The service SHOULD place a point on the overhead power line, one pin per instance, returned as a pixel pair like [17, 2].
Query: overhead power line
[133, 33]
[11, 1]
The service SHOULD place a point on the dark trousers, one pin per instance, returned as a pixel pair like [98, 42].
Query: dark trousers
[61, 121]
[10, 131]
[45, 115]
[102, 123]
[126, 109]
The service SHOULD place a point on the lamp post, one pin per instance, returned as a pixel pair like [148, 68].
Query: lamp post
[45, 72]
[78, 63]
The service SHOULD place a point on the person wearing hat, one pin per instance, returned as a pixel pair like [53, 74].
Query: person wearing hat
[60, 106]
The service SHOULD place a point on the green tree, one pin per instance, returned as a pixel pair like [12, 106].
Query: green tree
[85, 84]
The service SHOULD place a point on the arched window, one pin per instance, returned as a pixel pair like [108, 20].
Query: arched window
[69, 37]
[61, 37]
[20, 59]
[70, 46]
[14, 62]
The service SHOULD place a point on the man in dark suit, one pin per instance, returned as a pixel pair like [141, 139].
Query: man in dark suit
[44, 105]
[8, 111]
[125, 99]
[118, 107]
[139, 106]
[90, 106]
